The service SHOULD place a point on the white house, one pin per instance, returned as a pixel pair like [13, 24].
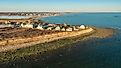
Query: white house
[49, 28]
[27, 26]
[69, 29]
[52, 25]
[63, 29]
[75, 29]
[57, 28]
[82, 27]
[40, 27]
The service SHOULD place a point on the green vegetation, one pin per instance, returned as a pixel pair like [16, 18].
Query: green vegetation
[38, 49]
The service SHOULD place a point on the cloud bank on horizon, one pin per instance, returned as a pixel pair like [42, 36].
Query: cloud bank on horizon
[60, 5]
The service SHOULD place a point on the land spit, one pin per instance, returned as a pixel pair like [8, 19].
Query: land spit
[19, 42]
[28, 49]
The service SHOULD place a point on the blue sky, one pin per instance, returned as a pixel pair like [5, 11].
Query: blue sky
[60, 5]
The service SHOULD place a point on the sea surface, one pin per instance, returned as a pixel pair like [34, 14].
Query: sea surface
[92, 53]
[100, 53]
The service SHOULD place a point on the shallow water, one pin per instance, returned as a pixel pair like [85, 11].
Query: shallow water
[92, 53]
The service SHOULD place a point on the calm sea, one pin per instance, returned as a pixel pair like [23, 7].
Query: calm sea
[94, 53]
[100, 53]
[112, 20]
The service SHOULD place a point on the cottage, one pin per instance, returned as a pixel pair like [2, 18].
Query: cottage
[40, 27]
[27, 25]
[69, 29]
[65, 24]
[49, 28]
[57, 28]
[63, 29]
[51, 25]
[82, 27]
[75, 29]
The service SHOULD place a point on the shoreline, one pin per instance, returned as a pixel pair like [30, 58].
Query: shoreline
[49, 46]
[13, 44]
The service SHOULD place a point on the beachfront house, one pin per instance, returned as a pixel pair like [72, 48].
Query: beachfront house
[6, 22]
[57, 28]
[69, 29]
[40, 27]
[63, 29]
[49, 28]
[51, 25]
[75, 29]
[27, 25]
[82, 27]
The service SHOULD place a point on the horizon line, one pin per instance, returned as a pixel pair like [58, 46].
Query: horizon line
[60, 11]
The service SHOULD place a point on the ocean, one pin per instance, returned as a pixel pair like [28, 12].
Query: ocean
[111, 20]
[100, 53]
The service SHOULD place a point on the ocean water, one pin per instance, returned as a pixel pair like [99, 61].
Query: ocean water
[112, 20]
[93, 53]
[99, 53]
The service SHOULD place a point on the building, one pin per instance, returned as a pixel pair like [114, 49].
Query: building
[27, 25]
[75, 29]
[57, 28]
[69, 29]
[82, 27]
[49, 28]
[40, 27]
[63, 29]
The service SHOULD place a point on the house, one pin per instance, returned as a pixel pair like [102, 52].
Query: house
[51, 25]
[57, 28]
[49, 28]
[27, 25]
[82, 27]
[65, 24]
[69, 29]
[40, 27]
[75, 29]
[63, 29]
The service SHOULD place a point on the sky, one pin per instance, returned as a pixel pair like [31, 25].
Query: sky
[60, 5]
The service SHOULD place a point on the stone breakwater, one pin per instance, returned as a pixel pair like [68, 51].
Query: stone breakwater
[12, 44]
